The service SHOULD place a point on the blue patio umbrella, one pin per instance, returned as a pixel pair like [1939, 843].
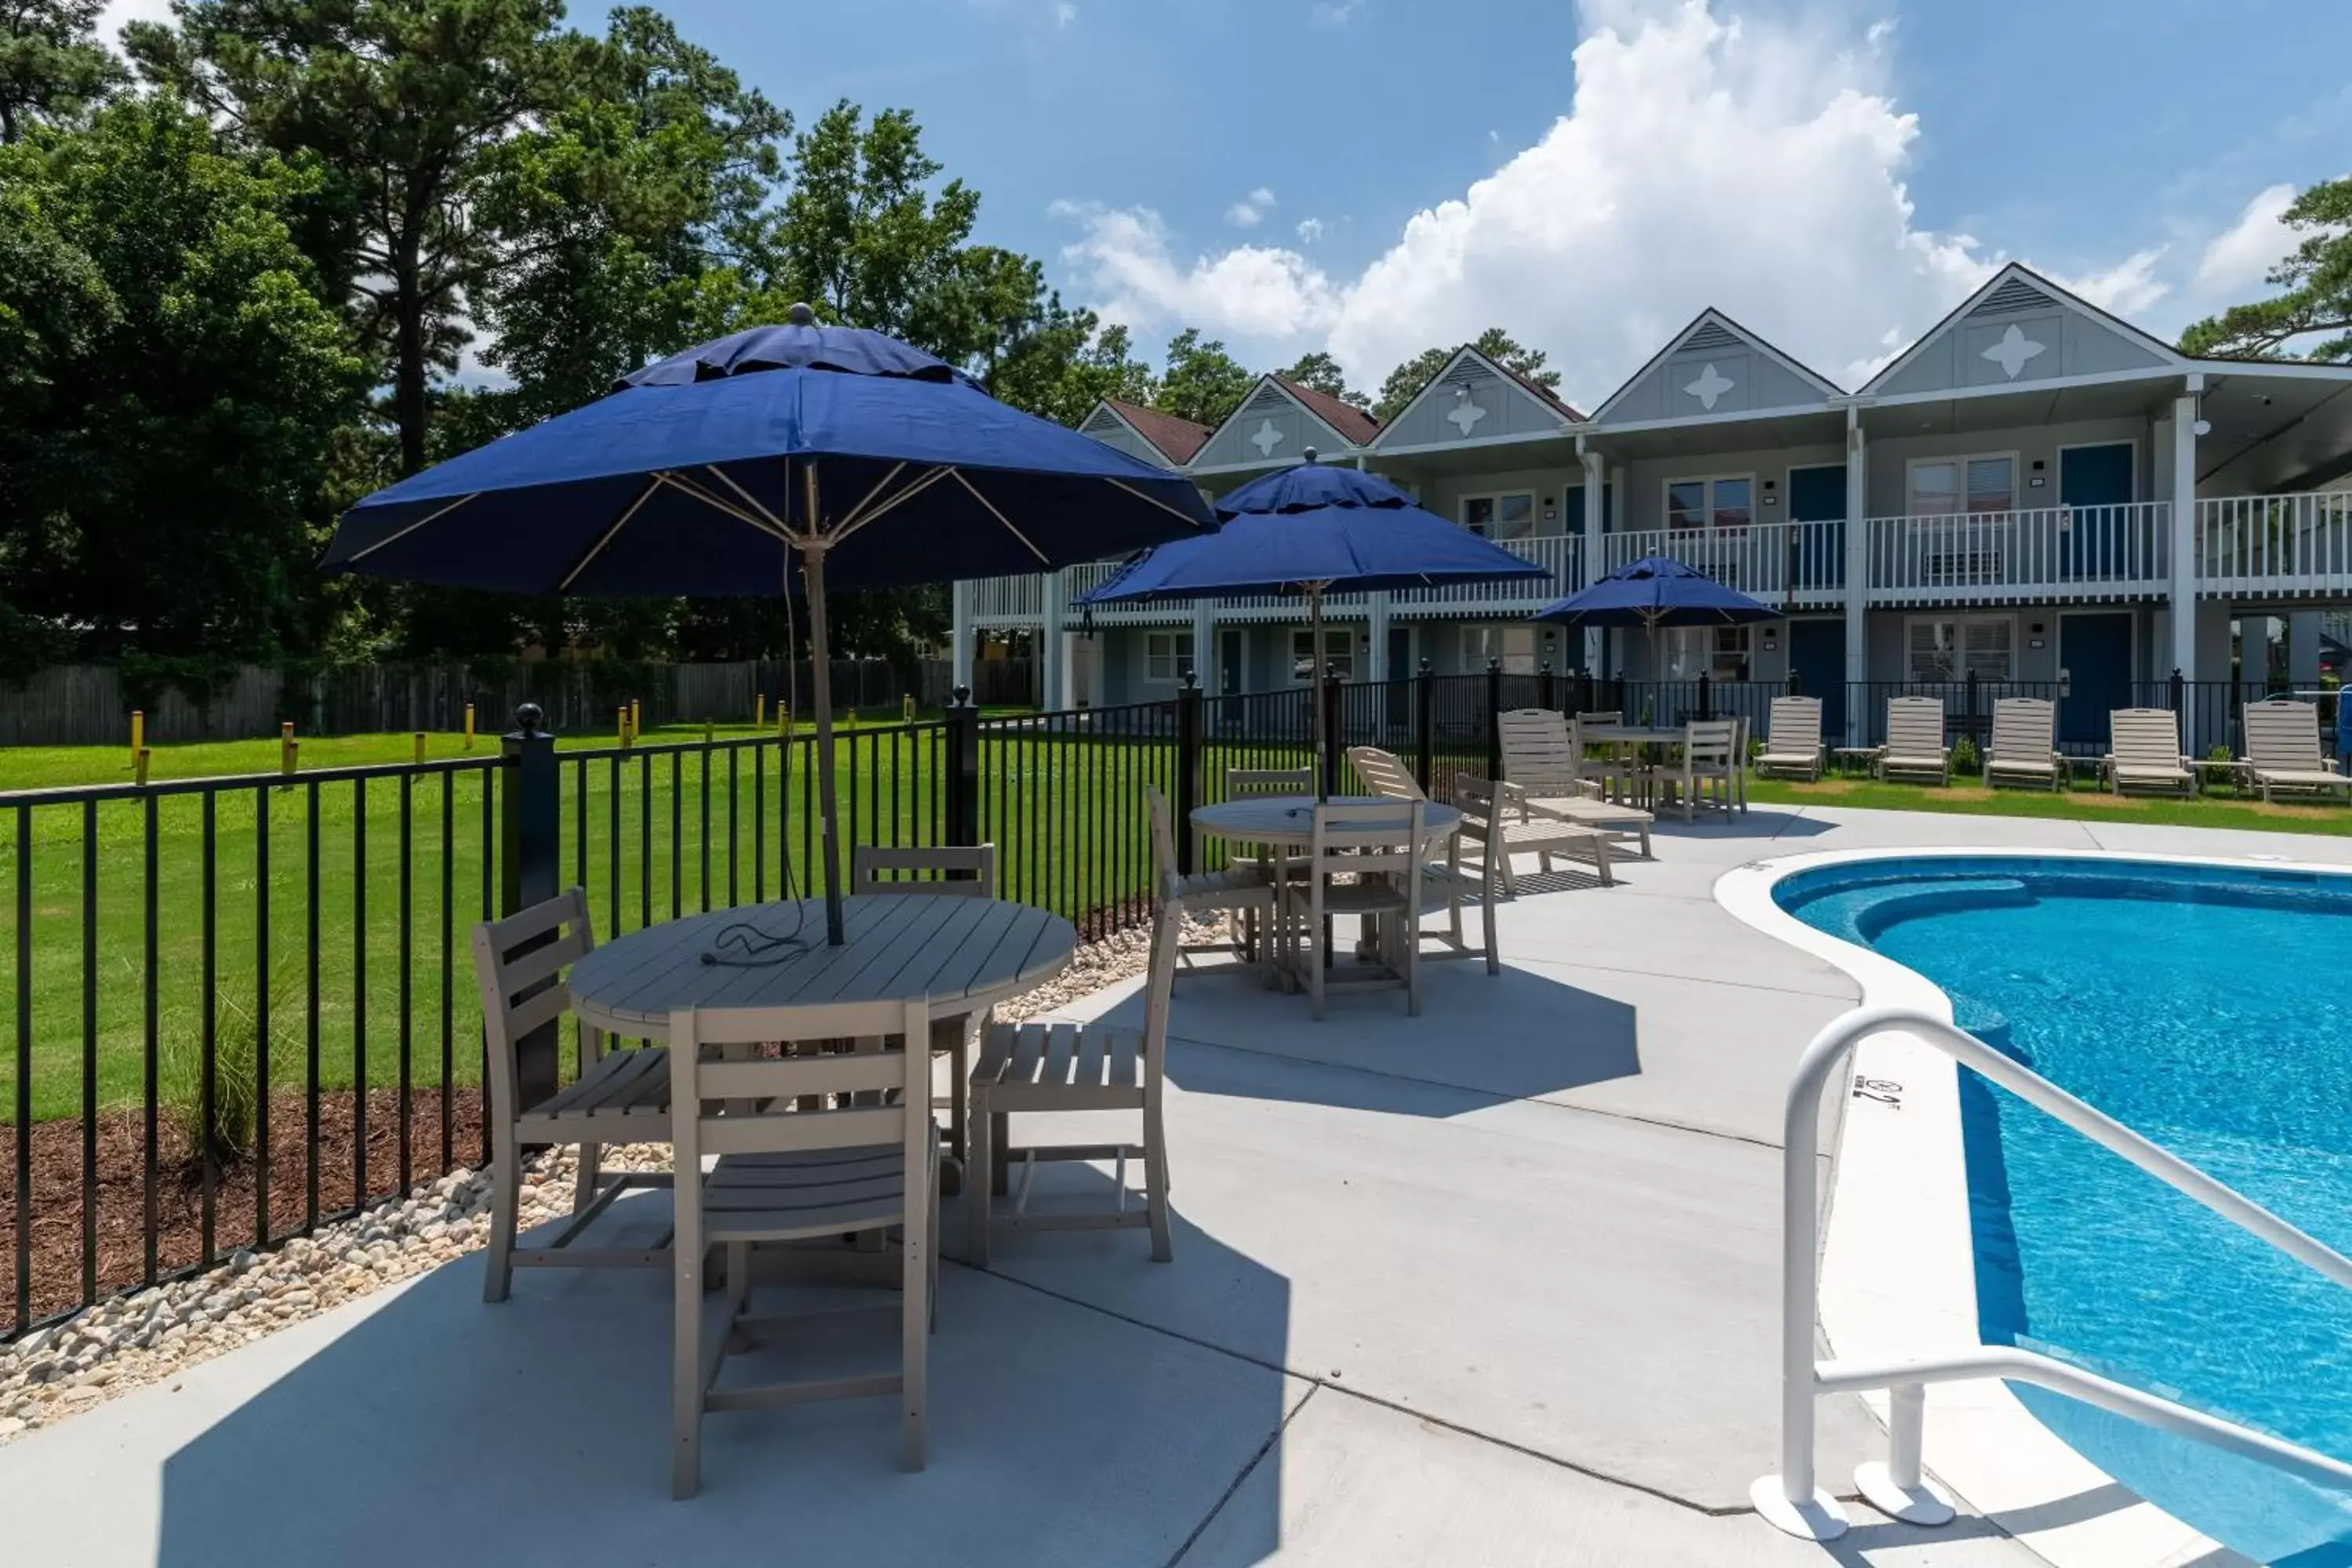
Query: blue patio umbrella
[826, 452]
[1652, 592]
[1309, 529]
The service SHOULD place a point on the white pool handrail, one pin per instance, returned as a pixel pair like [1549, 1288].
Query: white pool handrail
[1791, 1501]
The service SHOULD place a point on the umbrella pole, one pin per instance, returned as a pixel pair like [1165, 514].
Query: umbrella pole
[821, 655]
[1315, 683]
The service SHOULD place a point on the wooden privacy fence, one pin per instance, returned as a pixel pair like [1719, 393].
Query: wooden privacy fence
[69, 705]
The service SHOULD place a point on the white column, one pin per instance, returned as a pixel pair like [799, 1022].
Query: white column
[1053, 644]
[1857, 567]
[1205, 643]
[1596, 477]
[1376, 629]
[2184, 530]
[960, 649]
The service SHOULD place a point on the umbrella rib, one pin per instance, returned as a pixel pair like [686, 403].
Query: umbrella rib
[605, 538]
[857, 513]
[1042, 558]
[759, 517]
[859, 519]
[1151, 500]
[429, 517]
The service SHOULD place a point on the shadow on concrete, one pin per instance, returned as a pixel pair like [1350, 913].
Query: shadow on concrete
[442, 1430]
[1762, 824]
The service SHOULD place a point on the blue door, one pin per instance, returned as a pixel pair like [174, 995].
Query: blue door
[1817, 652]
[2095, 483]
[1818, 495]
[2095, 651]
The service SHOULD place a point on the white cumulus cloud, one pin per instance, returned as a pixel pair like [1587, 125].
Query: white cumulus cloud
[1251, 210]
[1310, 229]
[2240, 257]
[2127, 289]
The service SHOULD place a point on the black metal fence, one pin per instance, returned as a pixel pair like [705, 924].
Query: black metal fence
[234, 1009]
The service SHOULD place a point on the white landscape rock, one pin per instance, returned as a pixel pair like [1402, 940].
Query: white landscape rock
[129, 1341]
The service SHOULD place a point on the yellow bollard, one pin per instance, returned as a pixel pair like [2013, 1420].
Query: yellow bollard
[293, 758]
[783, 720]
[469, 726]
[624, 724]
[420, 745]
[906, 708]
[709, 732]
[636, 720]
[759, 712]
[139, 765]
[138, 732]
[286, 747]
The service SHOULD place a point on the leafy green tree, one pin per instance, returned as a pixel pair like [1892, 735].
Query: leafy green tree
[1405, 382]
[2314, 284]
[865, 238]
[168, 415]
[52, 65]
[1319, 372]
[1067, 362]
[1200, 381]
[398, 103]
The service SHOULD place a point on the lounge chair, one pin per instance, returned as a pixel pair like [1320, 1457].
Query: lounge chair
[2144, 752]
[1504, 822]
[2023, 749]
[2282, 750]
[1915, 739]
[1545, 767]
[1794, 743]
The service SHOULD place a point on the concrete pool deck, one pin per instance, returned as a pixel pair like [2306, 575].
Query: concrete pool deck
[1493, 1286]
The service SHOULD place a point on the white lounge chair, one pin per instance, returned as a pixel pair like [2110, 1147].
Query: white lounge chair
[2144, 752]
[1794, 745]
[2283, 750]
[1915, 739]
[1545, 767]
[2024, 744]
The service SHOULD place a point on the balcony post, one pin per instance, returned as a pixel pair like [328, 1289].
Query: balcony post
[960, 649]
[1204, 644]
[1592, 565]
[1376, 629]
[2183, 608]
[1053, 652]
[1857, 567]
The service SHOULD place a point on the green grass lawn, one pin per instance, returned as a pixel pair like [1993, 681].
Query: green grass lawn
[2082, 803]
[405, 865]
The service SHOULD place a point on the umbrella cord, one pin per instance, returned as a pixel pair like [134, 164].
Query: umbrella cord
[755, 948]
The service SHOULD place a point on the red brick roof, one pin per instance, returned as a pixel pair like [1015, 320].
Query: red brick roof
[1352, 422]
[1178, 440]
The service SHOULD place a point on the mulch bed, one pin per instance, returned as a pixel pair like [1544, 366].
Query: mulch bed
[122, 1261]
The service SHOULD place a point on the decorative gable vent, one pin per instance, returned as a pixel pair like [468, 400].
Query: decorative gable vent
[1469, 373]
[1268, 399]
[2013, 298]
[1102, 423]
[1710, 337]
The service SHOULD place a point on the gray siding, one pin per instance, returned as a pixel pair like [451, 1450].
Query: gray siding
[1645, 504]
[1123, 437]
[1468, 394]
[2058, 339]
[1272, 412]
[1443, 496]
[1745, 377]
[1891, 456]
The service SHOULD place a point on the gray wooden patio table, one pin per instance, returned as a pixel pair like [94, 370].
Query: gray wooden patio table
[1280, 822]
[961, 954]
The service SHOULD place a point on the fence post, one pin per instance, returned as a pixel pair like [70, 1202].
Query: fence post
[1706, 696]
[963, 768]
[1548, 684]
[1330, 697]
[1493, 719]
[1188, 767]
[1796, 686]
[1424, 726]
[529, 849]
[1969, 705]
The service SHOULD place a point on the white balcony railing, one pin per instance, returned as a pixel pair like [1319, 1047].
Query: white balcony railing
[2052, 553]
[998, 602]
[2275, 544]
[1561, 554]
[1794, 564]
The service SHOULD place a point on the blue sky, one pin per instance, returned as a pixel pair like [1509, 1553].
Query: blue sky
[1835, 175]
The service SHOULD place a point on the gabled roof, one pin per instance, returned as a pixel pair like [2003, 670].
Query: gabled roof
[1176, 438]
[1549, 400]
[1709, 328]
[2018, 286]
[1350, 421]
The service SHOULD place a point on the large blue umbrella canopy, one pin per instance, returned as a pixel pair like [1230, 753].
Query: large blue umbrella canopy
[1656, 590]
[1309, 529]
[842, 454]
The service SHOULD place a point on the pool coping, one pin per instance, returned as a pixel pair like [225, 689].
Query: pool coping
[1898, 1270]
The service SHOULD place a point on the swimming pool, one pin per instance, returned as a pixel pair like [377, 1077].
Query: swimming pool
[2204, 1008]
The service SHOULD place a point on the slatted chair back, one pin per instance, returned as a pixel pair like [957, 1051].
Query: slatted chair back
[1366, 838]
[1164, 874]
[960, 870]
[1384, 773]
[1796, 727]
[520, 963]
[1540, 751]
[1241, 783]
[775, 1105]
[1710, 744]
[1476, 798]
[2025, 729]
[1914, 726]
[2146, 738]
[2284, 737]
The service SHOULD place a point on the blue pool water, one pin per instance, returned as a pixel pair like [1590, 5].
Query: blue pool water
[2210, 1010]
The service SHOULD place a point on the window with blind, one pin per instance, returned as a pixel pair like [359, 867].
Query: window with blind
[1512, 647]
[1951, 648]
[1510, 515]
[1338, 651]
[1941, 487]
[1711, 503]
[1166, 657]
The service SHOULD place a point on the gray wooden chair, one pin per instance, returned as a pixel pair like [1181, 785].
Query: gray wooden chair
[807, 1147]
[956, 870]
[1241, 892]
[615, 1097]
[1046, 1068]
[1378, 848]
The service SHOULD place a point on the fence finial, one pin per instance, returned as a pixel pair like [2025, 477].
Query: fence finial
[962, 696]
[529, 718]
